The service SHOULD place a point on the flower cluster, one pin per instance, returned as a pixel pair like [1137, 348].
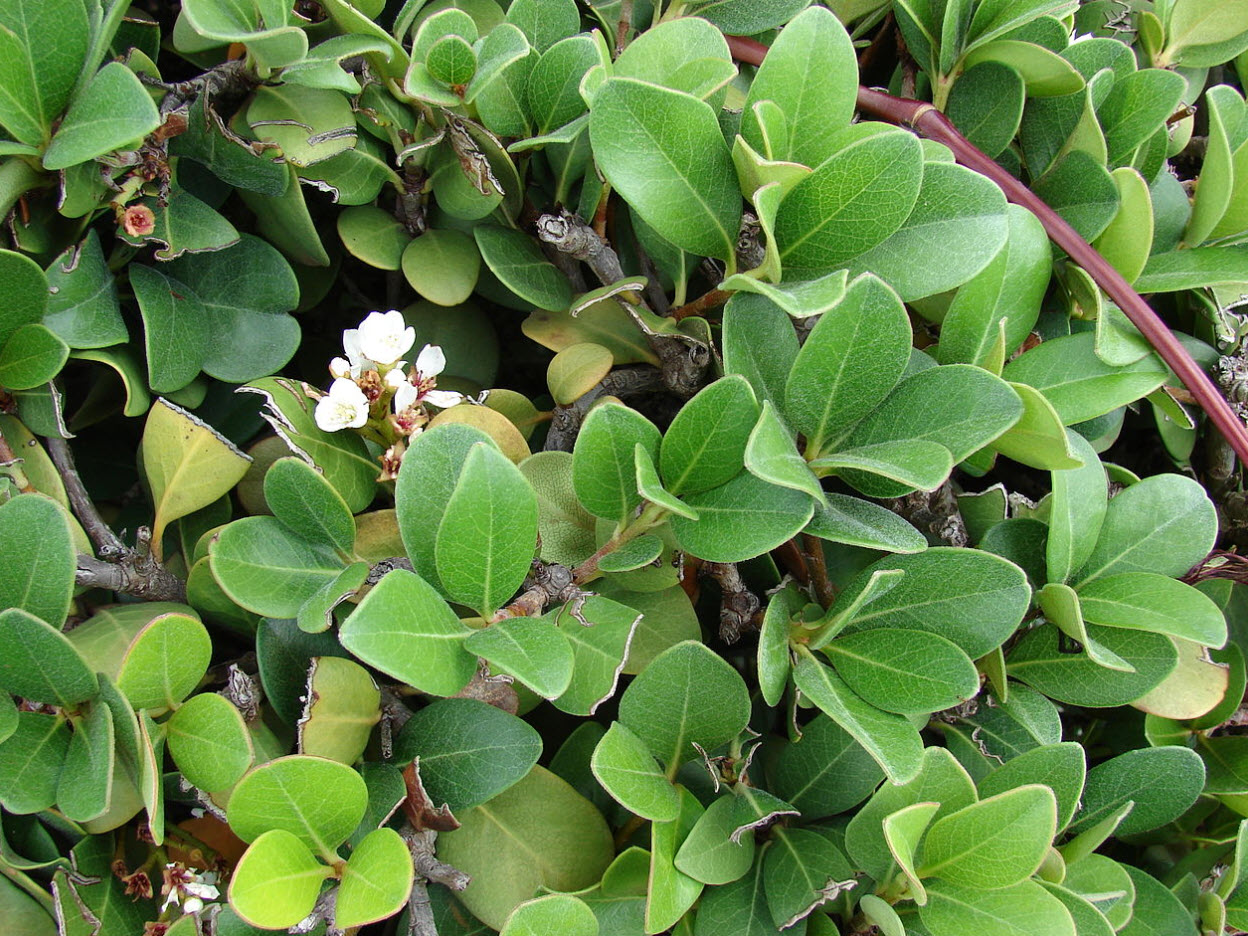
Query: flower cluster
[188, 889]
[374, 391]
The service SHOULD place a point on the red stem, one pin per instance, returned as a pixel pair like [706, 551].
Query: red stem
[925, 119]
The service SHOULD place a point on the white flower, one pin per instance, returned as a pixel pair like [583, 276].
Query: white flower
[345, 406]
[356, 362]
[341, 367]
[405, 395]
[395, 378]
[443, 399]
[383, 337]
[431, 361]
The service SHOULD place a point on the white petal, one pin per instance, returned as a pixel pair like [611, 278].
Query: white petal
[345, 407]
[431, 361]
[192, 905]
[404, 396]
[340, 367]
[347, 391]
[443, 399]
[395, 378]
[383, 337]
[351, 345]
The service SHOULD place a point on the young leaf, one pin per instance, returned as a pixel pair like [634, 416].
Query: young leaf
[1157, 603]
[1060, 767]
[288, 794]
[903, 831]
[856, 522]
[604, 470]
[554, 913]
[771, 455]
[209, 742]
[376, 881]
[276, 881]
[1076, 511]
[711, 853]
[998, 842]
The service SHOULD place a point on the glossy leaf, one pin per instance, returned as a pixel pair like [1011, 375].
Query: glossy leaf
[209, 742]
[276, 882]
[904, 671]
[376, 881]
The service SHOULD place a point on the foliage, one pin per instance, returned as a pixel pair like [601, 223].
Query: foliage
[770, 531]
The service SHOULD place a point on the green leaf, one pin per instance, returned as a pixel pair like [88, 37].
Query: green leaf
[1193, 269]
[530, 649]
[1078, 383]
[25, 284]
[941, 779]
[451, 60]
[424, 489]
[1038, 439]
[903, 831]
[246, 291]
[301, 498]
[538, 833]
[376, 881]
[986, 105]
[912, 463]
[276, 882]
[704, 446]
[1164, 524]
[404, 628]
[686, 54]
[627, 770]
[1024, 909]
[663, 706]
[33, 355]
[554, 84]
[85, 789]
[209, 742]
[772, 456]
[712, 853]
[518, 263]
[671, 892]
[1060, 767]
[1157, 603]
[175, 328]
[545, 22]
[995, 843]
[816, 108]
[890, 739]
[37, 575]
[904, 671]
[852, 358]
[42, 48]
[1162, 782]
[554, 913]
[343, 705]
[825, 771]
[164, 662]
[82, 298]
[663, 152]
[741, 519]
[651, 489]
[603, 460]
[442, 265]
[853, 202]
[1076, 511]
[856, 522]
[264, 567]
[30, 762]
[599, 652]
[959, 406]
[970, 597]
[376, 237]
[739, 907]
[469, 751]
[799, 870]
[188, 464]
[1039, 660]
[488, 534]
[308, 124]
[288, 794]
[760, 344]
[959, 223]
[113, 112]
[1157, 910]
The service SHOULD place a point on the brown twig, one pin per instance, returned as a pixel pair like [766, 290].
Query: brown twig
[926, 120]
[119, 568]
[708, 300]
[812, 552]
